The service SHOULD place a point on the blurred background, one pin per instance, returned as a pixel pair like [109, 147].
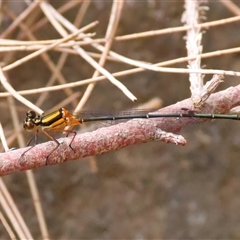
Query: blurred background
[147, 191]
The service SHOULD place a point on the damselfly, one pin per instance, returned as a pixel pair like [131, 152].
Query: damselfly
[62, 121]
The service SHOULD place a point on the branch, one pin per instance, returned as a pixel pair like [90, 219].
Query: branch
[118, 136]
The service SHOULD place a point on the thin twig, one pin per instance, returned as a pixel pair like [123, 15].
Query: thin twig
[16, 95]
[101, 78]
[56, 71]
[37, 204]
[231, 6]
[30, 175]
[85, 56]
[13, 213]
[47, 48]
[177, 29]
[7, 226]
[191, 17]
[3, 138]
[111, 30]
[22, 16]
[148, 66]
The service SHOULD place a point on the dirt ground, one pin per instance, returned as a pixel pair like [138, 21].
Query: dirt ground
[152, 190]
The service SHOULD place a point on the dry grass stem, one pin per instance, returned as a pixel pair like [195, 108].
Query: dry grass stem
[231, 6]
[47, 48]
[21, 99]
[111, 31]
[13, 213]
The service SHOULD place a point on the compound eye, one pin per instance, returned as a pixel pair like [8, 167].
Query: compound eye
[31, 114]
[28, 126]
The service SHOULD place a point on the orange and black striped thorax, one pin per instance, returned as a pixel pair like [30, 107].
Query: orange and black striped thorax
[54, 119]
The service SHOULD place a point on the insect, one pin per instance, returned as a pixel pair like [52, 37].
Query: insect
[62, 121]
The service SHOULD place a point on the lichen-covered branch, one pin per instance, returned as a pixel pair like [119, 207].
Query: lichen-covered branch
[118, 136]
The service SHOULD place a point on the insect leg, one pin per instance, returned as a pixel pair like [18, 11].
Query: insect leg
[35, 143]
[74, 135]
[55, 140]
